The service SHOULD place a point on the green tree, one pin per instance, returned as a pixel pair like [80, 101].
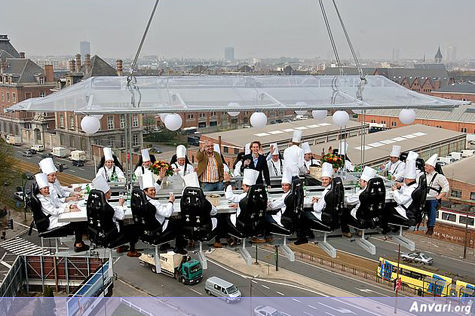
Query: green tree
[6, 164]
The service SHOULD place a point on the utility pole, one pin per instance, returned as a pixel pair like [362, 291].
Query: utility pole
[466, 233]
[276, 258]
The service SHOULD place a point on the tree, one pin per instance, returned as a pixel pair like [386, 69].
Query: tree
[6, 165]
[48, 305]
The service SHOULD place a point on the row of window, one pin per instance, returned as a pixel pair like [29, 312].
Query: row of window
[7, 97]
[110, 121]
[394, 124]
[109, 142]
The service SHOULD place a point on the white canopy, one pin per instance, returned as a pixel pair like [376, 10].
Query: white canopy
[98, 95]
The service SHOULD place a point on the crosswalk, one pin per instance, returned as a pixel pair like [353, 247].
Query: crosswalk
[22, 247]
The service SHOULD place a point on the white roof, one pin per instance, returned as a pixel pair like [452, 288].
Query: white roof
[98, 95]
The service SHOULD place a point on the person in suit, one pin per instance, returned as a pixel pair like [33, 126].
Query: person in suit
[257, 162]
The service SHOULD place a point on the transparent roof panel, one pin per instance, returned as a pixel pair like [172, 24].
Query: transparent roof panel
[216, 93]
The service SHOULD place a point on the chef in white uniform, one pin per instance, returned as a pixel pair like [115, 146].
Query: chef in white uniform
[129, 233]
[53, 208]
[354, 198]
[343, 150]
[249, 179]
[294, 156]
[279, 203]
[395, 167]
[237, 167]
[57, 191]
[162, 211]
[274, 163]
[110, 171]
[307, 157]
[326, 178]
[180, 166]
[191, 180]
[146, 163]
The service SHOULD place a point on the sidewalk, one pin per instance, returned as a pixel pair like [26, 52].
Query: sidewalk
[233, 261]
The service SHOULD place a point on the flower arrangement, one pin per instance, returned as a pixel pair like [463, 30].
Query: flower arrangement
[158, 165]
[334, 160]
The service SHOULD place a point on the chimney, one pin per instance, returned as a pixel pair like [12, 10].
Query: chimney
[71, 66]
[22, 54]
[49, 73]
[118, 64]
[87, 62]
[78, 62]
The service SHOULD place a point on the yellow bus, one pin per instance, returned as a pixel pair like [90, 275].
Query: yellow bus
[421, 280]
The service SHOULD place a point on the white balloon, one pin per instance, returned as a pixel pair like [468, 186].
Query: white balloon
[233, 104]
[98, 116]
[173, 121]
[302, 112]
[258, 119]
[340, 118]
[90, 124]
[407, 116]
[319, 114]
[163, 116]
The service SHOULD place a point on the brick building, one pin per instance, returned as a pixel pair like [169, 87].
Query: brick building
[111, 134]
[21, 79]
[461, 178]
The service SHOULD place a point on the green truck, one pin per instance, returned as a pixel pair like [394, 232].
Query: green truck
[180, 267]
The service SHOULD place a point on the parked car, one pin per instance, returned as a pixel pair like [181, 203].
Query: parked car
[47, 155]
[26, 154]
[78, 163]
[156, 150]
[266, 310]
[418, 257]
[61, 166]
[32, 151]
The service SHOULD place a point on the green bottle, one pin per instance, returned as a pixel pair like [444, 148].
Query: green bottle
[134, 177]
[88, 189]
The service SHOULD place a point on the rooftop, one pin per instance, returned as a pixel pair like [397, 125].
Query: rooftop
[379, 145]
[460, 170]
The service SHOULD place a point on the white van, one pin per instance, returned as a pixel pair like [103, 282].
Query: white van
[38, 148]
[222, 289]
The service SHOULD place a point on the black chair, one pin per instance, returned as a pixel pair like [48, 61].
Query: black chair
[372, 201]
[334, 207]
[41, 220]
[415, 210]
[251, 220]
[195, 215]
[143, 214]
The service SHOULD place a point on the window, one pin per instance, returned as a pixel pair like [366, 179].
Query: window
[61, 139]
[122, 141]
[110, 122]
[394, 124]
[225, 150]
[3, 97]
[42, 80]
[14, 98]
[472, 196]
[463, 220]
[190, 117]
[213, 123]
[236, 151]
[456, 193]
[136, 139]
[135, 120]
[213, 113]
[71, 142]
[202, 115]
[201, 124]
[448, 217]
[42, 94]
[71, 122]
[373, 121]
[122, 122]
[61, 121]
[8, 97]
[463, 129]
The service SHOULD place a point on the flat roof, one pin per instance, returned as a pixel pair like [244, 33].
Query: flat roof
[462, 170]
[281, 132]
[379, 145]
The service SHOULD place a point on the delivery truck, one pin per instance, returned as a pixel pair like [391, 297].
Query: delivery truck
[59, 152]
[13, 140]
[180, 267]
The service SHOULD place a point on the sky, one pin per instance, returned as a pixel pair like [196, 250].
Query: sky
[255, 28]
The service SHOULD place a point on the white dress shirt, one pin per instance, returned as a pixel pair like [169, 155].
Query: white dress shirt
[52, 207]
[437, 181]
[119, 215]
[293, 159]
[236, 198]
[278, 204]
[311, 162]
[162, 212]
[403, 197]
[396, 169]
[275, 167]
[181, 172]
[59, 191]
[237, 169]
[354, 199]
[107, 173]
[319, 206]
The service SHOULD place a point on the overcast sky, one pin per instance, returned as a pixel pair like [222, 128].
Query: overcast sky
[255, 28]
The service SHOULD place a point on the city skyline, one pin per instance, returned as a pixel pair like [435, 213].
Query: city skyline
[206, 27]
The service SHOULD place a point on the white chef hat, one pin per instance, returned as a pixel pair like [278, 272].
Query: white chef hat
[368, 173]
[41, 180]
[432, 161]
[108, 154]
[250, 176]
[147, 181]
[276, 149]
[410, 170]
[297, 137]
[247, 149]
[306, 148]
[180, 151]
[327, 170]
[100, 183]
[412, 155]
[342, 147]
[145, 155]
[47, 166]
[191, 180]
[286, 177]
[396, 152]
[216, 148]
